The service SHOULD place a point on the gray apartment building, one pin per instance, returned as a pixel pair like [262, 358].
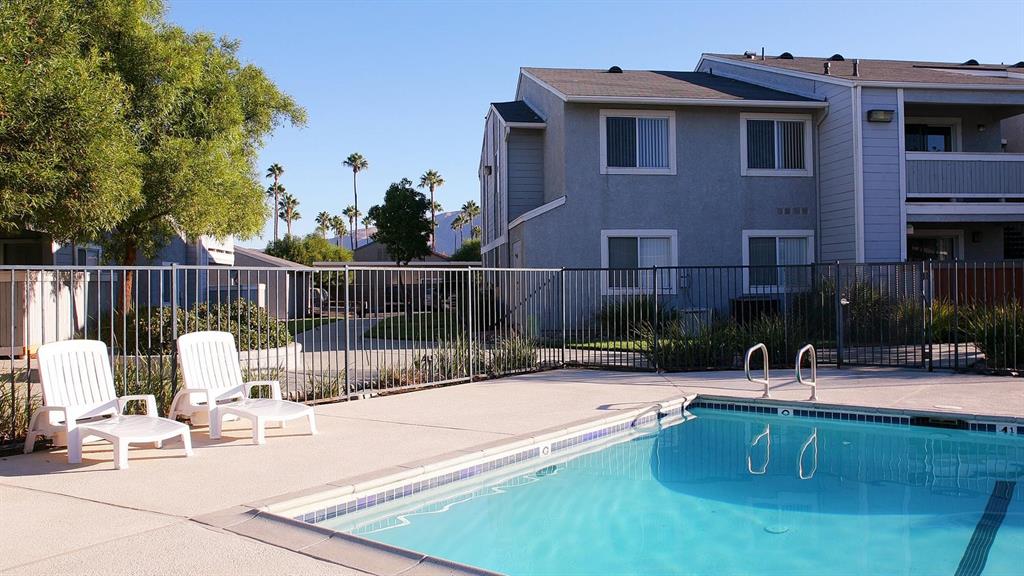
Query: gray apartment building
[755, 160]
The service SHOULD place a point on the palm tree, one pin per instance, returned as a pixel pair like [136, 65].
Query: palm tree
[476, 232]
[357, 163]
[352, 214]
[275, 172]
[323, 223]
[338, 227]
[367, 221]
[288, 210]
[457, 224]
[471, 209]
[432, 180]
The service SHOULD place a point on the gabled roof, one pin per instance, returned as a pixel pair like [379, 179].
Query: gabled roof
[265, 259]
[582, 85]
[896, 71]
[517, 112]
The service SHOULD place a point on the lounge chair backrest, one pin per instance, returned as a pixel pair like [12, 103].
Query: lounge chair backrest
[209, 360]
[76, 374]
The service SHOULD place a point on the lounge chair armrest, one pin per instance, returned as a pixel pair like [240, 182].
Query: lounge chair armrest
[149, 399]
[275, 388]
[43, 410]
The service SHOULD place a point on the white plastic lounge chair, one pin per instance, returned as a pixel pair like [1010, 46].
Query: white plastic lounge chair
[214, 388]
[80, 401]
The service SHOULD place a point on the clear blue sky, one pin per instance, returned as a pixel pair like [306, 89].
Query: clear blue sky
[407, 83]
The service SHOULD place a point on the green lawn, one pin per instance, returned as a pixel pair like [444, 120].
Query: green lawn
[301, 325]
[421, 326]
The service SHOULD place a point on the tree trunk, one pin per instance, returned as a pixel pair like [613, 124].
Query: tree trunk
[355, 201]
[277, 207]
[128, 283]
[433, 221]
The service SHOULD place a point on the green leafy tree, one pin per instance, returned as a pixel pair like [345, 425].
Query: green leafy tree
[357, 164]
[70, 163]
[352, 214]
[308, 250]
[469, 251]
[432, 180]
[402, 225]
[288, 210]
[154, 130]
[338, 227]
[275, 171]
[323, 223]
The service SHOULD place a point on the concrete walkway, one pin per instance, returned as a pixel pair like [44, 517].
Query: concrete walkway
[90, 519]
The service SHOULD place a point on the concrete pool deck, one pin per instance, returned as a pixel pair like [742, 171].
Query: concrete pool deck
[166, 513]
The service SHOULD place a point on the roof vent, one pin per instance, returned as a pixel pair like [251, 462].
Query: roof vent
[836, 58]
[828, 68]
[785, 56]
[750, 54]
[971, 62]
[615, 70]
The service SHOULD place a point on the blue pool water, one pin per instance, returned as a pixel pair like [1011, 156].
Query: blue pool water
[699, 498]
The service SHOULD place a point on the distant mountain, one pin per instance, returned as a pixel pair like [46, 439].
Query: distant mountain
[447, 239]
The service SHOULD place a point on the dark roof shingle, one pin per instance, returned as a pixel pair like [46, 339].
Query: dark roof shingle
[656, 84]
[517, 111]
[891, 70]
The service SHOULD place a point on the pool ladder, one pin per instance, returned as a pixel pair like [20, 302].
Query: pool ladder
[766, 380]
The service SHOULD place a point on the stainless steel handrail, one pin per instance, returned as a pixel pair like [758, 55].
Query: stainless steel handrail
[767, 450]
[746, 367]
[813, 382]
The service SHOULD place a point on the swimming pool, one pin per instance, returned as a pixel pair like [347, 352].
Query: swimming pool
[730, 493]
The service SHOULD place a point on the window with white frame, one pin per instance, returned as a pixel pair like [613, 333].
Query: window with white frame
[775, 145]
[638, 142]
[777, 260]
[630, 255]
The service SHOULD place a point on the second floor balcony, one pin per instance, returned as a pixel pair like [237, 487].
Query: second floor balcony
[974, 176]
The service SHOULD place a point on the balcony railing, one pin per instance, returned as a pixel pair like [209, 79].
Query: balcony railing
[970, 175]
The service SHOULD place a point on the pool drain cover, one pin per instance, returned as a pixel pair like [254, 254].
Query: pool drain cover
[776, 529]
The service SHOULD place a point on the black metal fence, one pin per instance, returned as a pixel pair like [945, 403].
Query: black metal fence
[346, 332]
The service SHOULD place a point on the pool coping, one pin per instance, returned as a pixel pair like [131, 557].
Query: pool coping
[272, 520]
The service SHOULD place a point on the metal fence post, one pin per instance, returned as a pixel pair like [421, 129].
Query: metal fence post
[561, 280]
[472, 323]
[348, 320]
[655, 321]
[174, 326]
[927, 349]
[838, 297]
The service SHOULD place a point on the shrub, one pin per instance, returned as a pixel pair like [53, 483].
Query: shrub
[716, 345]
[150, 330]
[998, 331]
[512, 354]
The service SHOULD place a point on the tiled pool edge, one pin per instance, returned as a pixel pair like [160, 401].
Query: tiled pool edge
[863, 414]
[368, 491]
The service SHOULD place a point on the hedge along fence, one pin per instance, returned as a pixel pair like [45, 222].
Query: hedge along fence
[150, 331]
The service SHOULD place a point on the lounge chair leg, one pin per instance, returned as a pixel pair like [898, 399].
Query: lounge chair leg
[74, 446]
[120, 455]
[258, 433]
[216, 420]
[30, 441]
[158, 444]
[312, 423]
[186, 439]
